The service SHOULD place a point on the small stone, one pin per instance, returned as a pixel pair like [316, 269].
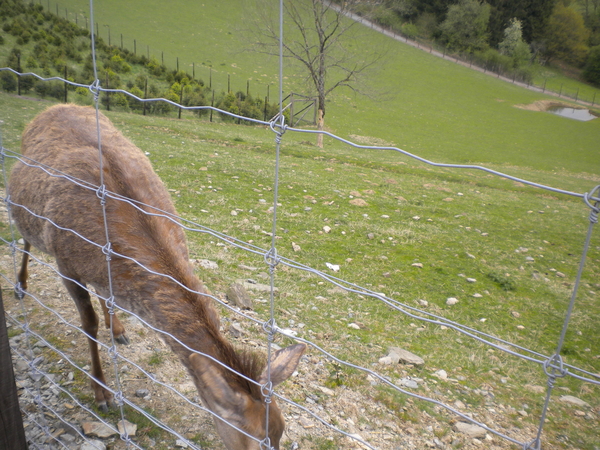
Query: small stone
[180, 444]
[529, 258]
[234, 213]
[295, 247]
[476, 295]
[471, 280]
[423, 303]
[238, 295]
[441, 374]
[452, 301]
[142, 393]
[97, 429]
[416, 217]
[515, 314]
[236, 330]
[405, 357]
[470, 256]
[459, 405]
[354, 326]
[385, 361]
[520, 327]
[327, 229]
[306, 424]
[419, 265]
[371, 236]
[409, 383]
[334, 267]
[126, 426]
[206, 264]
[93, 444]
[535, 388]
[471, 430]
[573, 400]
[560, 275]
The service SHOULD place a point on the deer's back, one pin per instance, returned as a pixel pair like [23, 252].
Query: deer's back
[64, 140]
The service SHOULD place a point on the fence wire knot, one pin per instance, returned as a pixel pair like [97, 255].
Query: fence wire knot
[101, 194]
[553, 368]
[119, 398]
[267, 391]
[19, 291]
[95, 89]
[594, 207]
[269, 327]
[531, 445]
[107, 250]
[271, 258]
[265, 444]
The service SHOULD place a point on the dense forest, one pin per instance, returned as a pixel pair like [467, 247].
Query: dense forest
[512, 35]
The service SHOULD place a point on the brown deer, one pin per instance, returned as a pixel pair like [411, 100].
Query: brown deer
[65, 139]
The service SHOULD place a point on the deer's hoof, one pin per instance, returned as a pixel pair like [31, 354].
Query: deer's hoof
[122, 339]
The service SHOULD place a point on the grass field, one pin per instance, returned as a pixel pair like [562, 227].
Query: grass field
[457, 225]
[420, 103]
[522, 245]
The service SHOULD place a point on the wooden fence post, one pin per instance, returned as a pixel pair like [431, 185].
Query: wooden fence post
[12, 434]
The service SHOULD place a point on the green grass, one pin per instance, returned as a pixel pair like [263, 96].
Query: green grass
[214, 169]
[420, 103]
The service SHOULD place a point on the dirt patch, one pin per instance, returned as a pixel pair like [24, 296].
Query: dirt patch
[545, 105]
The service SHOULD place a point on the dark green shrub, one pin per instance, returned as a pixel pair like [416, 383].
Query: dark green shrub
[8, 81]
[591, 70]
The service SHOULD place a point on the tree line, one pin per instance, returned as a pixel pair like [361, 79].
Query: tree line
[41, 42]
[510, 34]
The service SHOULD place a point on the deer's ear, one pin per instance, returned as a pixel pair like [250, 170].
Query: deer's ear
[213, 387]
[283, 364]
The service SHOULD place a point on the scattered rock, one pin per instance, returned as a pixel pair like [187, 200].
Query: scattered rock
[238, 295]
[354, 326]
[126, 426]
[441, 374]
[93, 444]
[408, 382]
[206, 264]
[295, 247]
[476, 295]
[327, 229]
[535, 388]
[142, 393]
[471, 280]
[452, 301]
[573, 400]
[236, 330]
[419, 265]
[405, 357]
[423, 303]
[515, 314]
[97, 429]
[470, 429]
[334, 267]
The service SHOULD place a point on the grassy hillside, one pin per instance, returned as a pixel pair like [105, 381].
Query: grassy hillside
[423, 104]
[419, 235]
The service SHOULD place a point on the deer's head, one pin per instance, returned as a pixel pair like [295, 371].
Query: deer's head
[244, 409]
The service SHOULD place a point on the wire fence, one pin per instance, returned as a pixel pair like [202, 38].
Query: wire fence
[34, 347]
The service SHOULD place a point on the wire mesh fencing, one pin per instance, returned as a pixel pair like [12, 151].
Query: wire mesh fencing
[157, 401]
[34, 349]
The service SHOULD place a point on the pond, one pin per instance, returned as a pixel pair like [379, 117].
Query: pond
[572, 113]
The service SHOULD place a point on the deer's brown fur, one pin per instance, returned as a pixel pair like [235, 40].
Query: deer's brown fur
[64, 140]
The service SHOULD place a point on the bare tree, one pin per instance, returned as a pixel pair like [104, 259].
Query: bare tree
[317, 35]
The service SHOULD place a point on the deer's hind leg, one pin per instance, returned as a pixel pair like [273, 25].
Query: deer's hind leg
[118, 330]
[23, 272]
[89, 323]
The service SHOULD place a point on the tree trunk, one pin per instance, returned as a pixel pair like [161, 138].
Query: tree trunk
[320, 126]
